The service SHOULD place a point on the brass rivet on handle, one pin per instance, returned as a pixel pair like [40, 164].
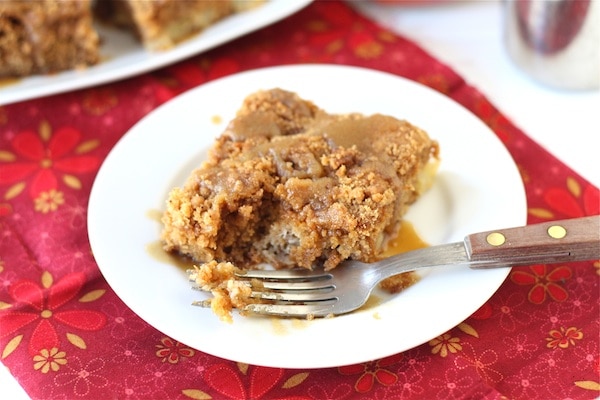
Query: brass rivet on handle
[496, 239]
[557, 232]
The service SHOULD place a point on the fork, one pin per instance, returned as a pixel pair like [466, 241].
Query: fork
[313, 293]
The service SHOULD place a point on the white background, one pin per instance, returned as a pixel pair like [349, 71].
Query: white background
[468, 36]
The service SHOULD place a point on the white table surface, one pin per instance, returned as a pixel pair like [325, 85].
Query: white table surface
[467, 36]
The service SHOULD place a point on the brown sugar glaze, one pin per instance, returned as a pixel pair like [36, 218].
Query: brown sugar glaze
[6, 81]
[406, 240]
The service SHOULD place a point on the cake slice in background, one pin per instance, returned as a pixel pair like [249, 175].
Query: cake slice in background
[49, 36]
[42, 37]
[161, 24]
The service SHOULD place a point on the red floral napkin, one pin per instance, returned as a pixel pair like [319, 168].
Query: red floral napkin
[64, 334]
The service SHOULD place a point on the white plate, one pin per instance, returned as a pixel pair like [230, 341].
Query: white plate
[478, 188]
[123, 56]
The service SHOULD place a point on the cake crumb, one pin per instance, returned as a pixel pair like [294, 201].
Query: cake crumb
[228, 292]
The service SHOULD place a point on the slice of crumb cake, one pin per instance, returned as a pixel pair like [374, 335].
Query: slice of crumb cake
[290, 185]
[42, 37]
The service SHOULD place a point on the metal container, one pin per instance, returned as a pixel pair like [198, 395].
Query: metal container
[557, 42]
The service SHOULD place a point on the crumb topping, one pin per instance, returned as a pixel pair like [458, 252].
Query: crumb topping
[290, 185]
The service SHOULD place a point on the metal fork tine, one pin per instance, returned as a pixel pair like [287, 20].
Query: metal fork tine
[304, 286]
[300, 296]
[293, 279]
[201, 303]
[293, 310]
[320, 309]
[289, 274]
[316, 285]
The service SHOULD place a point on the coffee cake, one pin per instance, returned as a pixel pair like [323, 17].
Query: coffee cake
[42, 37]
[162, 24]
[288, 184]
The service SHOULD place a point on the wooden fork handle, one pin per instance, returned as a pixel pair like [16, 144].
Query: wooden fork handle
[576, 239]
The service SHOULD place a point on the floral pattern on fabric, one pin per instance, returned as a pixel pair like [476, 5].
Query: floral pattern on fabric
[48, 308]
[172, 351]
[372, 373]
[39, 161]
[545, 281]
